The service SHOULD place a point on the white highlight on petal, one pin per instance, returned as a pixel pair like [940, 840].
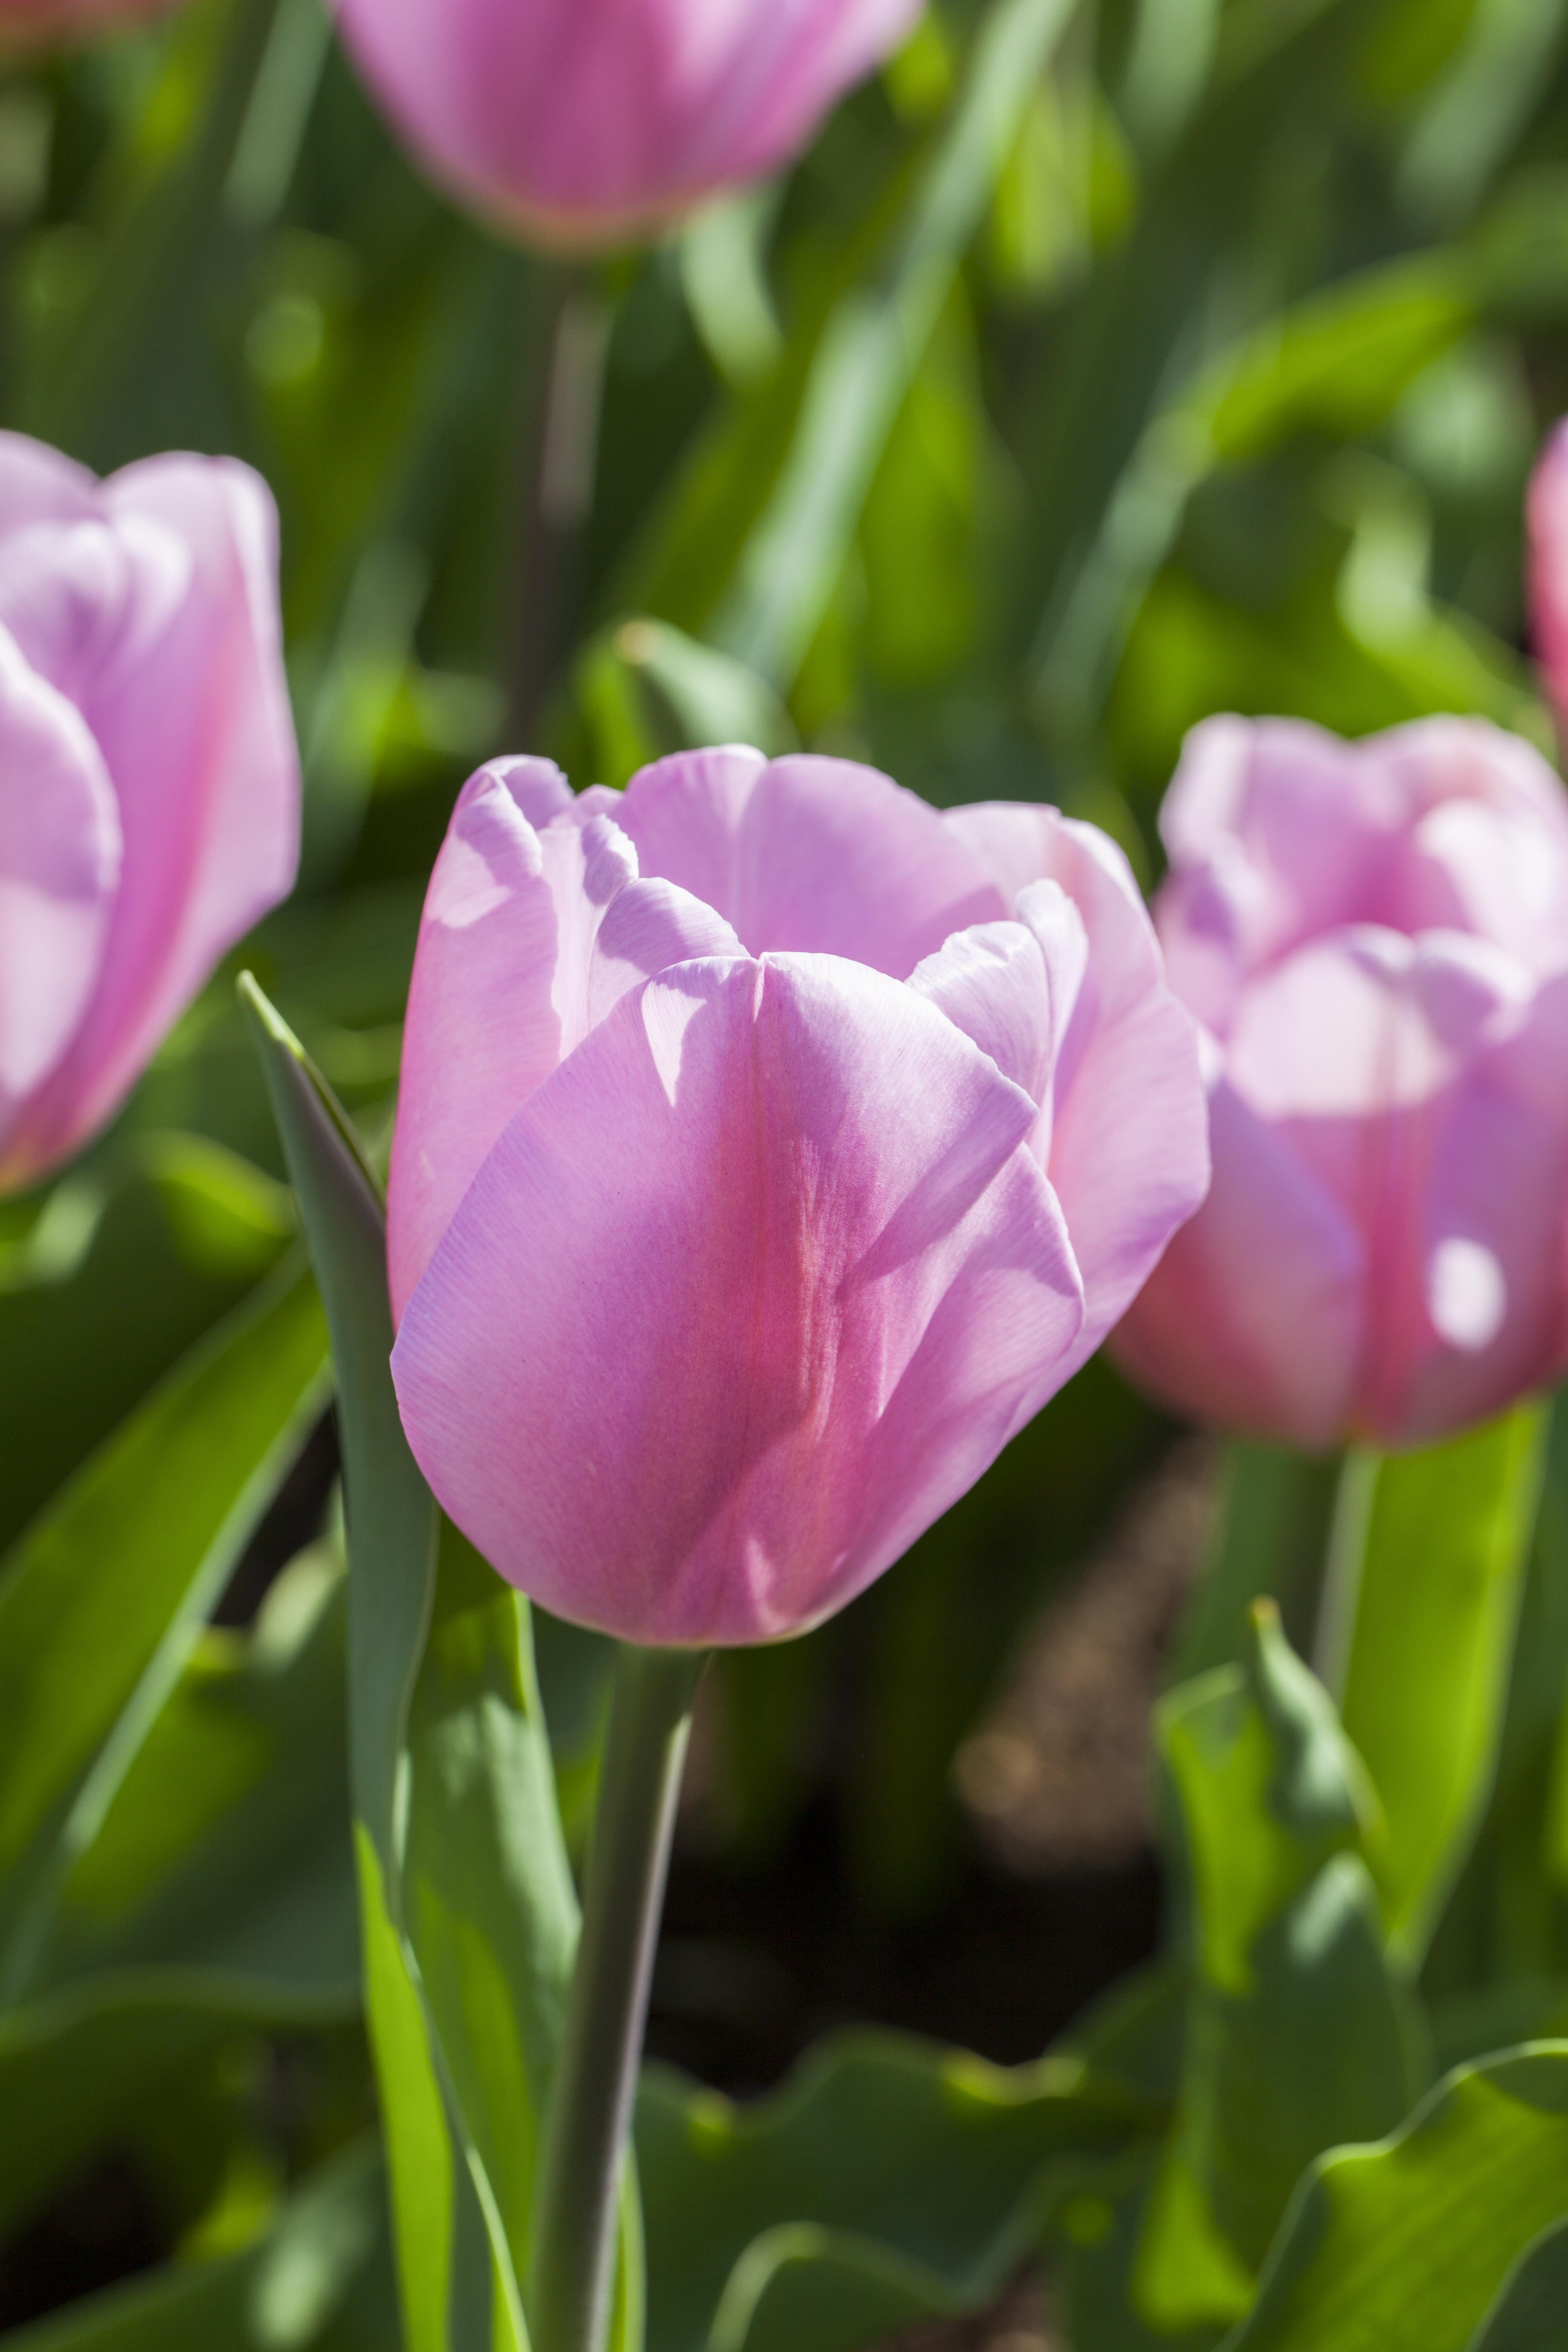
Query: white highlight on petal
[1467, 1295]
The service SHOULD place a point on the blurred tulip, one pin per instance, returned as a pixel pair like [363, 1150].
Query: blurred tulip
[1548, 531]
[149, 784]
[770, 1150]
[587, 122]
[1375, 937]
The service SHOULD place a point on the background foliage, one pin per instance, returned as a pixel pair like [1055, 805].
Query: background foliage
[1100, 367]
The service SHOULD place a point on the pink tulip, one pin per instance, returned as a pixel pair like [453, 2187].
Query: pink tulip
[586, 123]
[770, 1150]
[149, 786]
[1548, 532]
[1375, 937]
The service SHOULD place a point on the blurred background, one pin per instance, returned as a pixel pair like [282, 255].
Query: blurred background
[1100, 367]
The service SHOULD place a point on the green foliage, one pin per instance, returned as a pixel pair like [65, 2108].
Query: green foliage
[887, 2183]
[469, 1914]
[1424, 1603]
[1096, 369]
[101, 1603]
[1412, 2243]
[312, 2283]
[1297, 2034]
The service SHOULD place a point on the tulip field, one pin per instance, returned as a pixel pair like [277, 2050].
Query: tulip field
[784, 1176]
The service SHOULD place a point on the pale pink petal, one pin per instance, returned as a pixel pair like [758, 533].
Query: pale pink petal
[38, 485]
[537, 788]
[588, 124]
[809, 854]
[1301, 826]
[59, 863]
[1474, 1306]
[1009, 841]
[1017, 842]
[1254, 1318]
[1486, 847]
[993, 982]
[1123, 1130]
[1130, 1151]
[178, 670]
[527, 940]
[766, 1265]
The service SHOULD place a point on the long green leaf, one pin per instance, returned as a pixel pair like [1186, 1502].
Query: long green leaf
[217, 1902]
[1427, 1596]
[470, 1918]
[101, 1601]
[870, 354]
[1403, 2246]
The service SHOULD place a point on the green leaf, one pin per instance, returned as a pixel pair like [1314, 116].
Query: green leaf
[1337, 361]
[102, 1600]
[292, 2292]
[1404, 2246]
[124, 1265]
[228, 1847]
[487, 1888]
[1528, 2314]
[1503, 1936]
[870, 353]
[1423, 1601]
[1297, 2034]
[470, 1916]
[216, 1902]
[887, 2183]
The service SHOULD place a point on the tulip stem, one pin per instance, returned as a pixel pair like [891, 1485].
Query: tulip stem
[577, 2208]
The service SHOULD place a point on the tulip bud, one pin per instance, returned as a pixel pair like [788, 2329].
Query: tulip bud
[581, 123]
[1375, 937]
[769, 1149]
[149, 782]
[1547, 517]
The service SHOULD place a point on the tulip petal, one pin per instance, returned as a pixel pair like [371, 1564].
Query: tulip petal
[60, 862]
[1468, 1321]
[1010, 841]
[1127, 1131]
[586, 125]
[1548, 518]
[991, 981]
[528, 938]
[1271, 1251]
[765, 1265]
[186, 700]
[815, 856]
[1130, 1151]
[37, 485]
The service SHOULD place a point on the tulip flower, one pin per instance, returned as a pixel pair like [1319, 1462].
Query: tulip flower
[1547, 517]
[770, 1149]
[583, 123]
[1374, 937]
[149, 783]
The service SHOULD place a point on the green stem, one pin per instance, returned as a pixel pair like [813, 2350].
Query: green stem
[577, 2212]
